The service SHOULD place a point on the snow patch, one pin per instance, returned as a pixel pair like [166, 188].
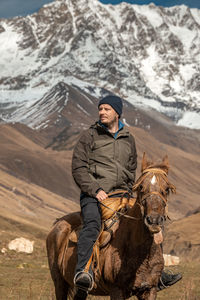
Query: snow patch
[190, 119]
[81, 108]
[152, 14]
[125, 122]
[185, 35]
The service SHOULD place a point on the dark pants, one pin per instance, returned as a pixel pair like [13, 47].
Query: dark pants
[91, 215]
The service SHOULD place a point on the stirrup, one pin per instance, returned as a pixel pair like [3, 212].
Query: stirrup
[82, 287]
[174, 279]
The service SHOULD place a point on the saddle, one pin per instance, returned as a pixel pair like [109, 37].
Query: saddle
[112, 208]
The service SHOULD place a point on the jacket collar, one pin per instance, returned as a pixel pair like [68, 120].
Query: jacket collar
[122, 131]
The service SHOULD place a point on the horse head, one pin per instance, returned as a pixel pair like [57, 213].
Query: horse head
[153, 188]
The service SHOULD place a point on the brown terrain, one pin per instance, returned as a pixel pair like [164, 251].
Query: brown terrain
[36, 185]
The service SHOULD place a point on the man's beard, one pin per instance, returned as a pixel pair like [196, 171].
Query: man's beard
[109, 124]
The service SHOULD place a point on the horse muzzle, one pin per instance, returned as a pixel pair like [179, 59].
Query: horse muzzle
[154, 222]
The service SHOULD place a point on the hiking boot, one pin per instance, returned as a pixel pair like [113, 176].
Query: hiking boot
[167, 280]
[83, 281]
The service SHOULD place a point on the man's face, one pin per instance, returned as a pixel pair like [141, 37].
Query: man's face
[107, 115]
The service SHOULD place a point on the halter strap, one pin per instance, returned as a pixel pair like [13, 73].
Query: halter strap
[145, 174]
[154, 170]
[154, 193]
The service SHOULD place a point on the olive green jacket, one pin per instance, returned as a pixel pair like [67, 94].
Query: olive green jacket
[101, 161]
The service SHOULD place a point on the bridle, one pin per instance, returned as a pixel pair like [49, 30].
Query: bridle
[154, 171]
[153, 193]
[144, 174]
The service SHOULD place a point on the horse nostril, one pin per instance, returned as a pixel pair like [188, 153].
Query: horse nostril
[161, 220]
[149, 220]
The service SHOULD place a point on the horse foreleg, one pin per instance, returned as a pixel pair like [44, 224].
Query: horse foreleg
[117, 294]
[61, 286]
[80, 295]
[148, 295]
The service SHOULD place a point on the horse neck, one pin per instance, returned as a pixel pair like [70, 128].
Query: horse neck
[133, 230]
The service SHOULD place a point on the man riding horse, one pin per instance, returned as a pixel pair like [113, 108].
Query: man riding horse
[104, 160]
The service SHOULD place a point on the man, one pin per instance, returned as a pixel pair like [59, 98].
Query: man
[104, 160]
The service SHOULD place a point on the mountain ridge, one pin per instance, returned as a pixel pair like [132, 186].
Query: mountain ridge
[149, 55]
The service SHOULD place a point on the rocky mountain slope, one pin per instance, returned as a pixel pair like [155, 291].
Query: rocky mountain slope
[147, 54]
[64, 111]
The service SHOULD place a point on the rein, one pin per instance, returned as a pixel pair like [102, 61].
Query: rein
[144, 174]
[118, 212]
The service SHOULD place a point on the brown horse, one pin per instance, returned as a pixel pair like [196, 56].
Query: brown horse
[131, 264]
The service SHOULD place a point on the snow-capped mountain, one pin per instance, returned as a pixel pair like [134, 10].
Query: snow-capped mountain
[149, 55]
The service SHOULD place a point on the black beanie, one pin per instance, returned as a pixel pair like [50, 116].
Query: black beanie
[114, 101]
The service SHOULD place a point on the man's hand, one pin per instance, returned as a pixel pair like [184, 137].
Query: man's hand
[101, 195]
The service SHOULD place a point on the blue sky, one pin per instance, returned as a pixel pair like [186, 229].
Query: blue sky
[11, 8]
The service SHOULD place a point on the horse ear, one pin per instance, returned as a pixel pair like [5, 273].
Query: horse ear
[144, 162]
[166, 163]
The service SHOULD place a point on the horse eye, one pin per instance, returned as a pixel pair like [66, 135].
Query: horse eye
[140, 187]
[167, 190]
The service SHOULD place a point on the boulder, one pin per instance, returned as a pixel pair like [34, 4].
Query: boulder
[171, 260]
[21, 245]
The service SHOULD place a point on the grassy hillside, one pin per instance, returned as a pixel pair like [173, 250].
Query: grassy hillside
[26, 276]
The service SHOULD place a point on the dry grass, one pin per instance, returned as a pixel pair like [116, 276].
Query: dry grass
[26, 277]
[186, 289]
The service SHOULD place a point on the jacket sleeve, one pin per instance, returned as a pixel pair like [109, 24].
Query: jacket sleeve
[80, 165]
[132, 164]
